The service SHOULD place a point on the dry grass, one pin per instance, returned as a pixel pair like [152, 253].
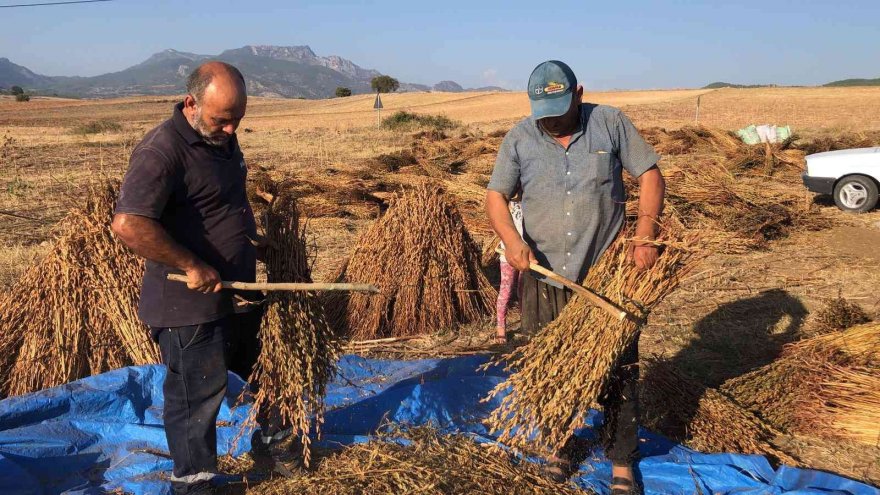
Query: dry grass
[821, 386]
[806, 110]
[583, 344]
[298, 348]
[72, 312]
[839, 314]
[420, 461]
[425, 264]
[703, 418]
[845, 403]
[736, 214]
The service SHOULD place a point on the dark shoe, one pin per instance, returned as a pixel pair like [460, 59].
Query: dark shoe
[197, 488]
[558, 469]
[625, 487]
[281, 457]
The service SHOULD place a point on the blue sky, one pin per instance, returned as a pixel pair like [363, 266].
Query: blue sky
[610, 45]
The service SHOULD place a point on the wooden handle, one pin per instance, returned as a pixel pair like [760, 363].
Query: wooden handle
[287, 286]
[591, 296]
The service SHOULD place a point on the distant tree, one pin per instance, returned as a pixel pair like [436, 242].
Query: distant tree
[17, 90]
[22, 97]
[342, 92]
[384, 84]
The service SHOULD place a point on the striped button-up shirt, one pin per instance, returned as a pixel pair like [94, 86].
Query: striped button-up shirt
[573, 198]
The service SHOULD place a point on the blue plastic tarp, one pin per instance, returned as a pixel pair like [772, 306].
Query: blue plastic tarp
[105, 432]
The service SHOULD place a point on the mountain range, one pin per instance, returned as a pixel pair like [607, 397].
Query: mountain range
[274, 71]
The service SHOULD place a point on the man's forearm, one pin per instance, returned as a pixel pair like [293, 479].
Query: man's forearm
[652, 189]
[147, 238]
[500, 219]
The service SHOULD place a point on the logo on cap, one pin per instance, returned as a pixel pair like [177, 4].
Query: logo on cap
[554, 87]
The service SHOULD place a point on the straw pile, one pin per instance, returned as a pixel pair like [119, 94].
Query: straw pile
[703, 418]
[838, 314]
[844, 404]
[582, 345]
[419, 460]
[298, 348]
[827, 385]
[734, 214]
[73, 313]
[425, 263]
[843, 141]
[726, 149]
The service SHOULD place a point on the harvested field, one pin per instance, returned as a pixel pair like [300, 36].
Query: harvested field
[759, 288]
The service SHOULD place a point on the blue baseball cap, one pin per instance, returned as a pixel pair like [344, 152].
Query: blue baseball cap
[551, 88]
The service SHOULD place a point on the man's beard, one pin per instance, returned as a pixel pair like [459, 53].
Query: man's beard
[220, 139]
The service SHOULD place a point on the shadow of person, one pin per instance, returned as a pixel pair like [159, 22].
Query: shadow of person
[741, 336]
[738, 337]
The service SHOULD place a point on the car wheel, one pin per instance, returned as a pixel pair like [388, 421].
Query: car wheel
[855, 194]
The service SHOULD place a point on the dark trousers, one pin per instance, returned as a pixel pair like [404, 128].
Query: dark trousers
[197, 358]
[541, 304]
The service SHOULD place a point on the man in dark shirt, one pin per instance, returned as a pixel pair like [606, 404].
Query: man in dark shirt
[183, 207]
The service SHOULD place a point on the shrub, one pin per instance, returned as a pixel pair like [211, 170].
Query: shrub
[97, 127]
[342, 92]
[22, 97]
[393, 162]
[403, 120]
[17, 90]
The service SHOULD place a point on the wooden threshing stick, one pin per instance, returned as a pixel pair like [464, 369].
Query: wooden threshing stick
[591, 296]
[288, 286]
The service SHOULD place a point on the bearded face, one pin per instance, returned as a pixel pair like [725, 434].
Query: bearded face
[212, 134]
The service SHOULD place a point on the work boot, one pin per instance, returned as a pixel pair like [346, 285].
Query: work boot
[277, 453]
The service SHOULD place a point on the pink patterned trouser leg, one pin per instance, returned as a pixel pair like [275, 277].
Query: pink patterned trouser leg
[509, 280]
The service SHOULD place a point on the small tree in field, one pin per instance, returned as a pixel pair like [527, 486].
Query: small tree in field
[22, 97]
[342, 92]
[17, 90]
[384, 84]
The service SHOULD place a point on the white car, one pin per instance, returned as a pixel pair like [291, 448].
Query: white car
[850, 176]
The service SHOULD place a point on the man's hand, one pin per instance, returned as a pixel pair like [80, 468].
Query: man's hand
[203, 278]
[519, 256]
[644, 256]
[516, 250]
[147, 238]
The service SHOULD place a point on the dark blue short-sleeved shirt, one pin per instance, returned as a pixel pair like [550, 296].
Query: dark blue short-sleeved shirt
[573, 199]
[197, 193]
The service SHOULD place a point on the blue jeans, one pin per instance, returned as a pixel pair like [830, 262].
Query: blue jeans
[197, 358]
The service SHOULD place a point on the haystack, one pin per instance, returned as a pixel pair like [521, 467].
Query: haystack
[843, 403]
[299, 351]
[420, 460]
[739, 196]
[726, 149]
[73, 313]
[582, 345]
[426, 266]
[734, 214]
[827, 385]
[703, 418]
[841, 141]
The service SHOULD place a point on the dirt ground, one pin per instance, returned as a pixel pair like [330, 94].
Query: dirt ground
[731, 315]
